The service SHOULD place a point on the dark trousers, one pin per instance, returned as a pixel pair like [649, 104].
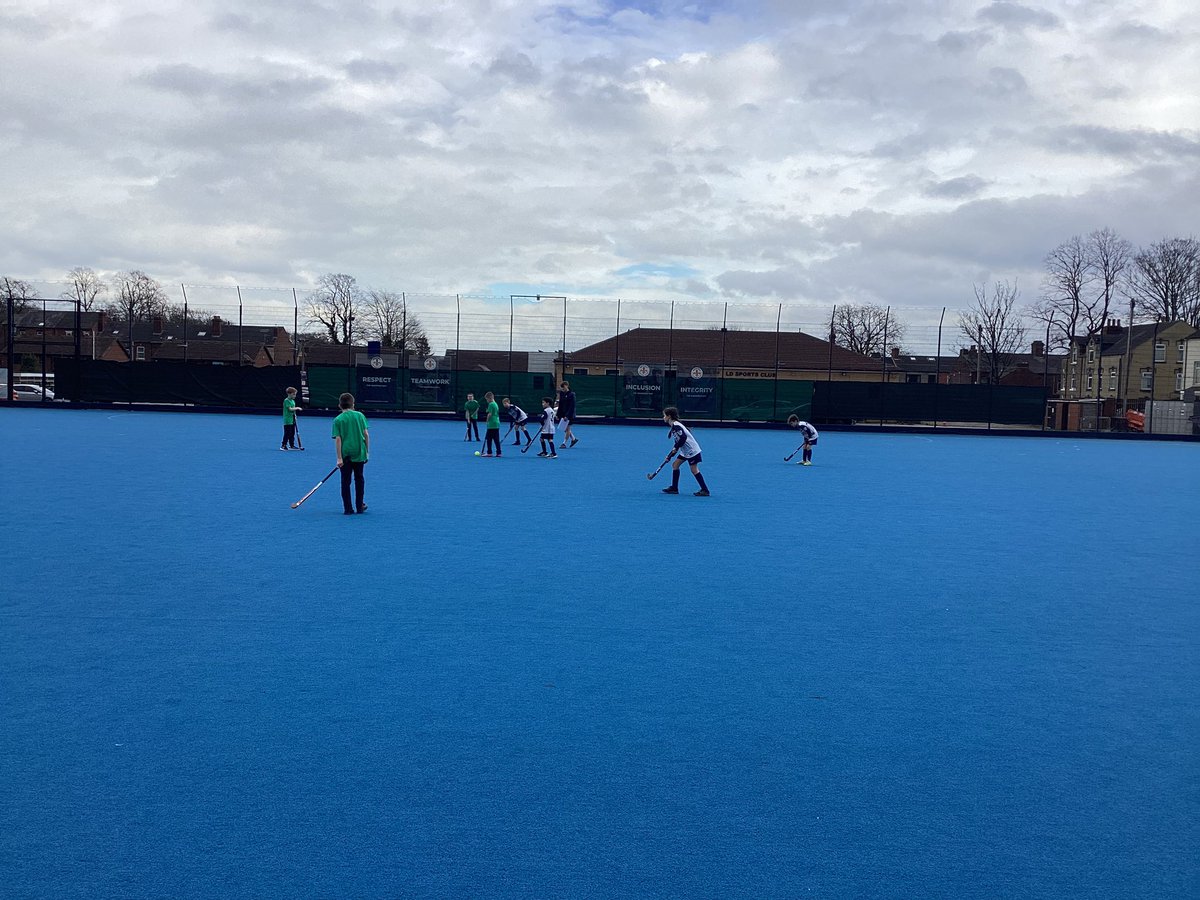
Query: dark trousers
[473, 429]
[491, 437]
[289, 436]
[354, 469]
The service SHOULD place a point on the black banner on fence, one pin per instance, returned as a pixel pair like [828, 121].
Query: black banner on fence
[428, 389]
[642, 393]
[171, 381]
[376, 387]
[698, 396]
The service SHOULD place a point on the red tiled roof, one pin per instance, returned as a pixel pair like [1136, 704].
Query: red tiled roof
[688, 347]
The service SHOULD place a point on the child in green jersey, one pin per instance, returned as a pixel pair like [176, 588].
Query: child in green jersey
[471, 409]
[492, 436]
[352, 442]
[289, 420]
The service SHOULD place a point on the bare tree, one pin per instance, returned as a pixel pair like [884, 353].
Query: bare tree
[1109, 256]
[1065, 303]
[866, 329]
[393, 324]
[994, 329]
[18, 291]
[1164, 280]
[332, 304]
[86, 288]
[138, 297]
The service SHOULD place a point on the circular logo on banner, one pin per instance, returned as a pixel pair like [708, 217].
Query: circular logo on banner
[376, 362]
[697, 372]
[643, 370]
[431, 364]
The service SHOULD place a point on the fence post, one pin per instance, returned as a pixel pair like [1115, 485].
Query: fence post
[724, 335]
[295, 328]
[619, 378]
[1153, 374]
[1046, 370]
[43, 349]
[510, 342]
[183, 289]
[937, 369]
[239, 293]
[883, 355]
[775, 382]
[564, 342]
[457, 330]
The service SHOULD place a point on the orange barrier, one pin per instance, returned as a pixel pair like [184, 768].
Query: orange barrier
[1136, 420]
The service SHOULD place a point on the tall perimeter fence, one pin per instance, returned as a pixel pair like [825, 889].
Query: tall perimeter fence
[625, 359]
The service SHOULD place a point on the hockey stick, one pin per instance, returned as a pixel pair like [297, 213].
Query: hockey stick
[298, 441]
[296, 505]
[788, 458]
[531, 443]
[650, 475]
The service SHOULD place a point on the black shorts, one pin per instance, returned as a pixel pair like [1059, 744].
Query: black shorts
[694, 460]
[813, 442]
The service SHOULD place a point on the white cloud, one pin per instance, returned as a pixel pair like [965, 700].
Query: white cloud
[862, 149]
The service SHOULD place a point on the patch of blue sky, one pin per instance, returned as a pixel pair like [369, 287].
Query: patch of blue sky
[642, 271]
[530, 292]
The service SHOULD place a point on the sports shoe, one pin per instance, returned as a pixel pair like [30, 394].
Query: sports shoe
[671, 490]
[807, 462]
[543, 453]
[554, 456]
[562, 446]
[347, 512]
[574, 441]
[703, 492]
[363, 508]
[283, 448]
[485, 454]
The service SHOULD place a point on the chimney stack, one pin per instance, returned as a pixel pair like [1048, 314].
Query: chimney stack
[101, 320]
[1038, 348]
[895, 353]
[216, 326]
[1112, 326]
[157, 324]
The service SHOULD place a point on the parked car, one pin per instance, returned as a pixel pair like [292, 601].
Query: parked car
[31, 392]
[766, 411]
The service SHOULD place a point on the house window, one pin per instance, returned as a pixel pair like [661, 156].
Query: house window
[140, 352]
[932, 379]
[1112, 378]
[579, 371]
[1179, 352]
[1074, 352]
[1091, 352]
[1160, 351]
[612, 371]
[1073, 382]
[1179, 379]
[1147, 377]
[1089, 381]
[1196, 373]
[912, 379]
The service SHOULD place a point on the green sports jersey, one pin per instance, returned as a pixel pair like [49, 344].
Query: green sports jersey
[289, 411]
[351, 426]
[493, 413]
[472, 408]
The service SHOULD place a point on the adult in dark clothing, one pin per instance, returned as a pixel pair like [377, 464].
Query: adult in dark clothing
[566, 413]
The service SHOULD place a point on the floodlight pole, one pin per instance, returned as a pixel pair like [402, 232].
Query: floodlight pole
[185, 321]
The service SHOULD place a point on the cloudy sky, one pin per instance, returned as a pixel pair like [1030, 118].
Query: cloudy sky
[752, 151]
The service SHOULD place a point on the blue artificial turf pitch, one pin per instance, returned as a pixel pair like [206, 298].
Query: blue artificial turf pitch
[924, 667]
